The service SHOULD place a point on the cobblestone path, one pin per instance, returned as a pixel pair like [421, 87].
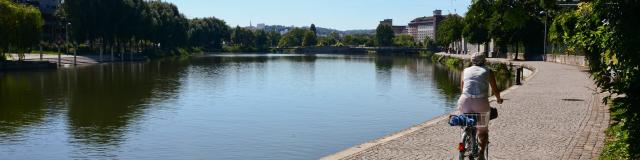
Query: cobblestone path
[556, 114]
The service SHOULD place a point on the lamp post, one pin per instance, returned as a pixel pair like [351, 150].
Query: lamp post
[544, 56]
[66, 37]
[67, 26]
[75, 47]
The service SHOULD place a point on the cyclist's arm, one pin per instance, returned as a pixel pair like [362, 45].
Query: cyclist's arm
[462, 82]
[494, 87]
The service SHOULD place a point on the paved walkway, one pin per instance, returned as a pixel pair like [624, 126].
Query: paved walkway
[556, 114]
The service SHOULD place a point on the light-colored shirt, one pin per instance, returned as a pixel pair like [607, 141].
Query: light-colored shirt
[476, 82]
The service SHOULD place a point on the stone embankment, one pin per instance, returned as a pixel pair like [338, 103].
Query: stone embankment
[51, 61]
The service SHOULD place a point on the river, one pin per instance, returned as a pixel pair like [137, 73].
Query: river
[219, 106]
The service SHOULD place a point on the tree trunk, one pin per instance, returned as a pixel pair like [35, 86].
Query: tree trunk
[122, 47]
[517, 50]
[486, 49]
[101, 49]
[111, 48]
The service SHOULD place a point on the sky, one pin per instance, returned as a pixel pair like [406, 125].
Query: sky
[336, 14]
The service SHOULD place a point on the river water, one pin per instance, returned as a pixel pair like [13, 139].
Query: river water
[219, 106]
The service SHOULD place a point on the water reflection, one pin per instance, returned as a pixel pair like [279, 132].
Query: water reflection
[447, 81]
[21, 104]
[384, 65]
[305, 69]
[102, 106]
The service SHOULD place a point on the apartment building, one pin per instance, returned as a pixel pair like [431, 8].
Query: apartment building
[397, 30]
[423, 27]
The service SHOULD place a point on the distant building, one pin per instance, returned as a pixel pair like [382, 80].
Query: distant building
[397, 30]
[260, 26]
[423, 27]
[387, 22]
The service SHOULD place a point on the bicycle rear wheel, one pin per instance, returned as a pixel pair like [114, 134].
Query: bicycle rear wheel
[466, 148]
[462, 146]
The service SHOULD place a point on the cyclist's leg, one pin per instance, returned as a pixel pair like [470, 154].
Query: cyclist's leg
[483, 139]
[481, 105]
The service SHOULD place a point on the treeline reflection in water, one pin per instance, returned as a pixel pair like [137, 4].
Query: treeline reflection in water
[97, 102]
[96, 109]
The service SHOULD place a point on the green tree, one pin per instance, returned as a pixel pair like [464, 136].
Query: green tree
[404, 40]
[335, 37]
[313, 29]
[114, 22]
[508, 23]
[261, 40]
[310, 39]
[29, 28]
[384, 35]
[122, 24]
[293, 38]
[449, 30]
[8, 18]
[208, 32]
[358, 39]
[274, 37]
[562, 30]
[326, 41]
[169, 26]
[476, 29]
[20, 27]
[430, 44]
[242, 37]
[349, 40]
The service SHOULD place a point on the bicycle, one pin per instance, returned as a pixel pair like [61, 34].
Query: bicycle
[468, 122]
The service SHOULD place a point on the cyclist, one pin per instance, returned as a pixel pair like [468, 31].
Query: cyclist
[475, 93]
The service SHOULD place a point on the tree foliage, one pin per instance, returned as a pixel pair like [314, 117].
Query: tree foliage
[430, 44]
[606, 31]
[261, 40]
[169, 27]
[404, 40]
[384, 35]
[512, 22]
[476, 29]
[273, 37]
[450, 30]
[242, 37]
[128, 23]
[310, 39]
[208, 33]
[313, 29]
[359, 39]
[333, 39]
[20, 27]
[293, 38]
